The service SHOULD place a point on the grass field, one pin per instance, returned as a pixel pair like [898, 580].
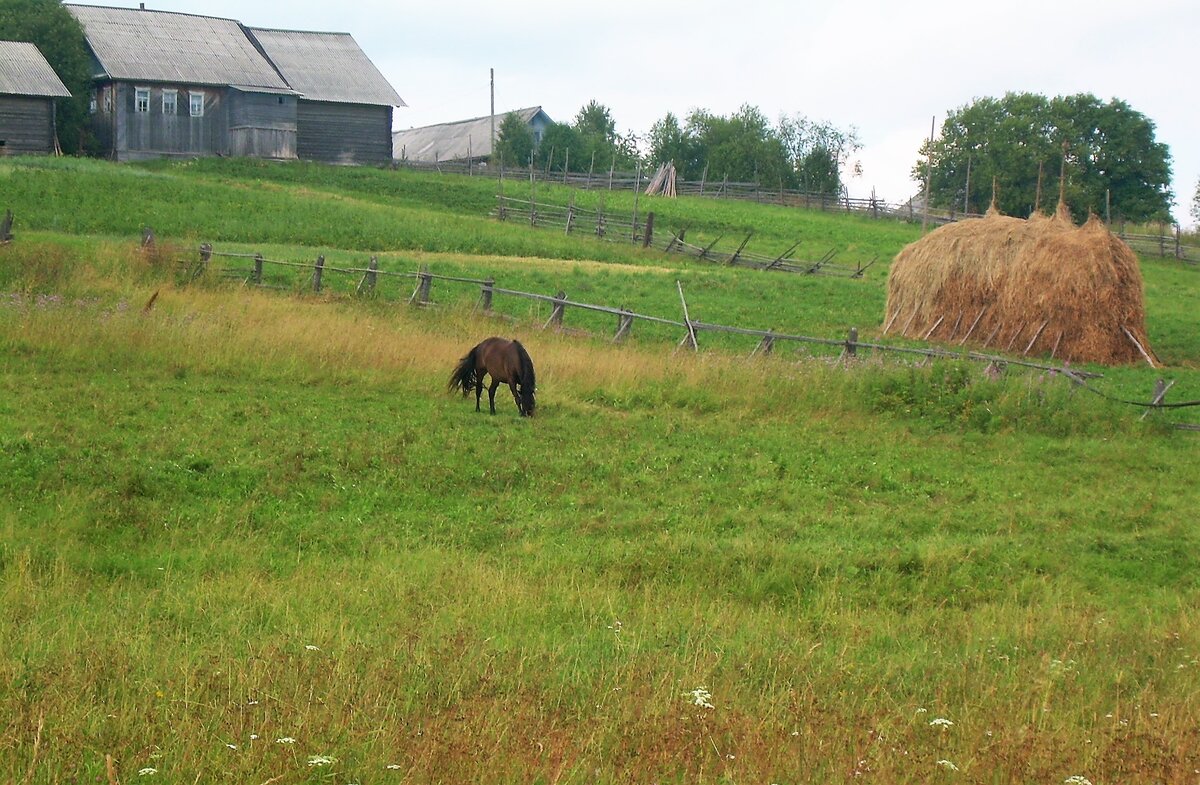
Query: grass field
[246, 536]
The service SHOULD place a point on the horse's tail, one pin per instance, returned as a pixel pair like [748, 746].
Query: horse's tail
[463, 376]
[528, 382]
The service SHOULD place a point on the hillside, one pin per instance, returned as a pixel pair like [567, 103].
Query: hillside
[245, 534]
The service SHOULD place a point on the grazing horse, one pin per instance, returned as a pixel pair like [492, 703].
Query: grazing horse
[506, 362]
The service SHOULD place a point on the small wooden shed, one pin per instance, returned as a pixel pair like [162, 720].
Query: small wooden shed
[344, 115]
[28, 90]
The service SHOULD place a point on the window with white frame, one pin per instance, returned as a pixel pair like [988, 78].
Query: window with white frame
[196, 103]
[170, 104]
[141, 100]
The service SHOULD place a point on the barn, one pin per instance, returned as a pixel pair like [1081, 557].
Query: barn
[344, 114]
[464, 140]
[28, 89]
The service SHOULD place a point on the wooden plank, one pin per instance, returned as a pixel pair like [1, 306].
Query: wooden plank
[1136, 343]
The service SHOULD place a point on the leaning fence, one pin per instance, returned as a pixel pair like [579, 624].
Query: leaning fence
[640, 230]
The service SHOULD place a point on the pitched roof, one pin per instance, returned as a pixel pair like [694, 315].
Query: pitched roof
[455, 141]
[326, 67]
[23, 71]
[160, 46]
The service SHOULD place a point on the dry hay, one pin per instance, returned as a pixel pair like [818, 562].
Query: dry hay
[1041, 286]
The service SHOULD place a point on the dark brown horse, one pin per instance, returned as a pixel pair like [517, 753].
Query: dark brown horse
[506, 362]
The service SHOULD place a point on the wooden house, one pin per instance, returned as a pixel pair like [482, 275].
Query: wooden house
[344, 113]
[172, 84]
[464, 140]
[28, 89]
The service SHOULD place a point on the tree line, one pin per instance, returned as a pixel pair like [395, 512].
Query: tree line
[793, 153]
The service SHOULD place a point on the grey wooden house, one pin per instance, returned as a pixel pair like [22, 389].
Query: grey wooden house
[344, 114]
[464, 140]
[172, 84]
[28, 89]
[176, 84]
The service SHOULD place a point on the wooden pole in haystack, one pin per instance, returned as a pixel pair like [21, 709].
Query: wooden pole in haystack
[928, 173]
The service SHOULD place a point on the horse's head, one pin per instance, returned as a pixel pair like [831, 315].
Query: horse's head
[527, 402]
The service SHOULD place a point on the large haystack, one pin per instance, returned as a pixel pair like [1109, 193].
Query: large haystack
[1041, 286]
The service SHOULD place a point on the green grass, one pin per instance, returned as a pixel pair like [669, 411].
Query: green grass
[839, 553]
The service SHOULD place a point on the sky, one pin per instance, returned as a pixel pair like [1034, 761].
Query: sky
[886, 68]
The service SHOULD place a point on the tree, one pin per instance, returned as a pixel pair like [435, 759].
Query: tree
[1196, 203]
[59, 36]
[598, 140]
[669, 143]
[514, 141]
[1111, 157]
[742, 147]
[820, 152]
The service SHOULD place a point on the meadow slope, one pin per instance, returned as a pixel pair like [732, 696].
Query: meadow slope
[246, 535]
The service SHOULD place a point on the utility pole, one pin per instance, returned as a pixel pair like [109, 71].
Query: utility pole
[492, 138]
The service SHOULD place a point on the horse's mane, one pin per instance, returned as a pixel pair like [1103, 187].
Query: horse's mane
[527, 376]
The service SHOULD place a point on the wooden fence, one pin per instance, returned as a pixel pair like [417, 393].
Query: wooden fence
[1169, 242]
[640, 230]
[714, 189]
[765, 340]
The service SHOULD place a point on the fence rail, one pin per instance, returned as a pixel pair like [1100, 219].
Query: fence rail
[636, 229]
[1164, 244]
[559, 303]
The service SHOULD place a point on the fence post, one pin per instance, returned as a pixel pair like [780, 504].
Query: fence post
[852, 342]
[649, 230]
[556, 314]
[485, 295]
[372, 272]
[317, 271]
[424, 287]
[6, 226]
[624, 324]
[205, 257]
[1162, 242]
[570, 213]
[258, 268]
[766, 345]
[147, 238]
[1178, 245]
[600, 220]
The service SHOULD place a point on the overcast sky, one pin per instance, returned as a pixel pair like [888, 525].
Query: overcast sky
[886, 68]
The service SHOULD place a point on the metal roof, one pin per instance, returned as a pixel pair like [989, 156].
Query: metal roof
[23, 71]
[326, 67]
[158, 46]
[455, 141]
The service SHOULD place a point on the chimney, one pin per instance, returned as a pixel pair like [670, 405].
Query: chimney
[141, 6]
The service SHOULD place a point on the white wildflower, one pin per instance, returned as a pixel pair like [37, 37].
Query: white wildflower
[310, 647]
[231, 746]
[393, 766]
[945, 764]
[253, 737]
[941, 722]
[922, 710]
[285, 740]
[1077, 780]
[701, 697]
[321, 760]
[147, 772]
